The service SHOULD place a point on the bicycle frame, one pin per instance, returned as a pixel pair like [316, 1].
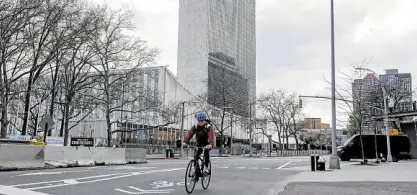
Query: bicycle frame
[197, 158]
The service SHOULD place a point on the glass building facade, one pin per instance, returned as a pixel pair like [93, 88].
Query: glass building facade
[217, 51]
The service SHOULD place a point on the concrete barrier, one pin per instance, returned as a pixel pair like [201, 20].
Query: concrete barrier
[135, 155]
[59, 156]
[14, 156]
[109, 156]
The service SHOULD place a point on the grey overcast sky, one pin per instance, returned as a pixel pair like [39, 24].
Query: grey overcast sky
[293, 41]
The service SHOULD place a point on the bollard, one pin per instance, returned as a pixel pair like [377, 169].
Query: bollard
[312, 162]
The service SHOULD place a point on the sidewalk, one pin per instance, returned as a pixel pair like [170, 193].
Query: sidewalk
[379, 179]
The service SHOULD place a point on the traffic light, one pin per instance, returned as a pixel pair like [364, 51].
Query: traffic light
[300, 103]
[178, 143]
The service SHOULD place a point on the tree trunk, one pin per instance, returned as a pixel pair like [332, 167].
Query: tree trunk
[279, 140]
[221, 143]
[52, 106]
[286, 139]
[66, 121]
[61, 130]
[362, 150]
[27, 104]
[296, 141]
[109, 131]
[4, 122]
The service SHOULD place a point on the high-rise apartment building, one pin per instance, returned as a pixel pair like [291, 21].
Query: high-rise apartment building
[367, 95]
[217, 51]
[399, 85]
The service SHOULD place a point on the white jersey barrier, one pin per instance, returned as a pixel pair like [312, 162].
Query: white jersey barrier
[108, 156]
[59, 156]
[135, 155]
[17, 156]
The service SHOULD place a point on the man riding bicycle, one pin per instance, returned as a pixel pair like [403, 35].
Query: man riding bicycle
[204, 136]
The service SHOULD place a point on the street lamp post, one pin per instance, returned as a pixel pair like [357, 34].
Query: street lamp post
[182, 129]
[334, 158]
[231, 132]
[384, 95]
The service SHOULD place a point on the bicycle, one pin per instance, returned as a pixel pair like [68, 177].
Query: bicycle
[206, 177]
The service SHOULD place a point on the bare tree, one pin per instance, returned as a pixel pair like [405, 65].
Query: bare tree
[78, 79]
[283, 111]
[363, 88]
[273, 105]
[43, 43]
[15, 17]
[119, 59]
[317, 137]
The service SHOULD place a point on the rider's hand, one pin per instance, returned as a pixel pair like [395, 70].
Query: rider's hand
[209, 146]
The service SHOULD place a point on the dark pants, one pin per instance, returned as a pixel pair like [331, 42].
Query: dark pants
[206, 155]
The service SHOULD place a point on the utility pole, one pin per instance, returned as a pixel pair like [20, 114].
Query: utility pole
[334, 158]
[250, 129]
[389, 156]
[182, 129]
[231, 132]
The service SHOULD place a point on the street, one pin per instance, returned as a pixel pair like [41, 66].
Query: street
[231, 175]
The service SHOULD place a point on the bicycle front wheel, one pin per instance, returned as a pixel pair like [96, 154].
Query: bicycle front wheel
[190, 176]
[205, 181]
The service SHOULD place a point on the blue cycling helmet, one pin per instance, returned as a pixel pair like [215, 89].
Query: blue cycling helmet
[201, 116]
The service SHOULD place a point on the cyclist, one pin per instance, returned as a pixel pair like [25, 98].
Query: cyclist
[204, 136]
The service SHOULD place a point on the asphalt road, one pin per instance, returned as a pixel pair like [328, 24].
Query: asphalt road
[233, 175]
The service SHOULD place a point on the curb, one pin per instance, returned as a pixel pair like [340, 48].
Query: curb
[163, 158]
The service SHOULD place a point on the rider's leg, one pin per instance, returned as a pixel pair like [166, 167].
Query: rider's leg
[197, 155]
[206, 157]
[196, 160]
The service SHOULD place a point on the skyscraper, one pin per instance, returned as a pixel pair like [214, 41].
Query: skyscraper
[367, 96]
[399, 88]
[217, 51]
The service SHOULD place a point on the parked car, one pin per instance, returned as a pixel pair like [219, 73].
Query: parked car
[351, 149]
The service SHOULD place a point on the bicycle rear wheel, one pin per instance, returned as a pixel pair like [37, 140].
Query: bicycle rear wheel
[205, 180]
[190, 177]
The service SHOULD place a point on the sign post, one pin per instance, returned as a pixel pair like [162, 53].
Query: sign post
[46, 123]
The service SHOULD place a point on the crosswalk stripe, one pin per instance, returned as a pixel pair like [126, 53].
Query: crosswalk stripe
[9, 190]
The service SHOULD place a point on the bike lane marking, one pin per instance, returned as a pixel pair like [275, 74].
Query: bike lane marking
[91, 179]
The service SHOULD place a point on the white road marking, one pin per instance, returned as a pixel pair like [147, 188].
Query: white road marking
[122, 175]
[222, 167]
[140, 191]
[58, 181]
[70, 181]
[240, 167]
[266, 168]
[130, 167]
[282, 166]
[10, 190]
[150, 191]
[253, 168]
[51, 173]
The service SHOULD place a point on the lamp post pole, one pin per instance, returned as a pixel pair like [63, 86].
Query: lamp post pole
[334, 158]
[182, 129]
[384, 94]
